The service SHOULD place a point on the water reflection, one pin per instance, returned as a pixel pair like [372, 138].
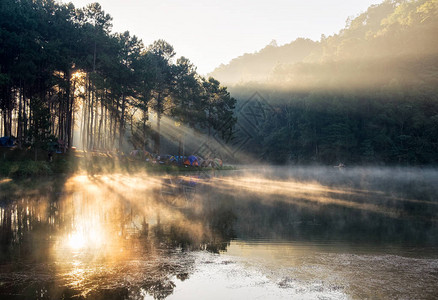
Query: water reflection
[124, 236]
[102, 236]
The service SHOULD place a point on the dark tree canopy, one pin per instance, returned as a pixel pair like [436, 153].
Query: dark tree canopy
[63, 72]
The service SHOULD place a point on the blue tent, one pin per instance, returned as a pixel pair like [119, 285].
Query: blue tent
[7, 141]
[192, 161]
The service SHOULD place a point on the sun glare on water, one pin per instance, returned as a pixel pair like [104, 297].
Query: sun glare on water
[85, 239]
[77, 240]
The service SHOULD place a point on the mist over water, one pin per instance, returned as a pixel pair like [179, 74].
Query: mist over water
[276, 232]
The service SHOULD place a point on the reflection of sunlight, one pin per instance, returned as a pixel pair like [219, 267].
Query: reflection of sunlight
[6, 180]
[90, 238]
[120, 232]
[307, 193]
[102, 232]
[98, 213]
[88, 233]
[76, 240]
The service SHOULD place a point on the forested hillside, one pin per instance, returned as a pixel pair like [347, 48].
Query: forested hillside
[63, 71]
[367, 94]
[371, 50]
[258, 66]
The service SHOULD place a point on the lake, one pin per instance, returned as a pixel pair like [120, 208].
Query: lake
[254, 233]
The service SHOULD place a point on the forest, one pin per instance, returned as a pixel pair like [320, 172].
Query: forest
[66, 78]
[366, 95]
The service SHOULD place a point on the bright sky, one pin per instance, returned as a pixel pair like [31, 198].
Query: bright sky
[212, 32]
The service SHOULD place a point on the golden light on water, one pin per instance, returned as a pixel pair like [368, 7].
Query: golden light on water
[77, 240]
[82, 238]
[118, 231]
[113, 221]
[101, 213]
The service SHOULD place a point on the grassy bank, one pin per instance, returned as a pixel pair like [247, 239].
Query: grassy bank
[30, 168]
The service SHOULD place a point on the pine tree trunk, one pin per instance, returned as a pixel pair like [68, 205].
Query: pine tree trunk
[115, 125]
[122, 123]
[70, 117]
[158, 133]
[99, 143]
[90, 125]
[20, 119]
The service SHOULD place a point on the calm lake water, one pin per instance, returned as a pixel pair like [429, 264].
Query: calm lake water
[256, 233]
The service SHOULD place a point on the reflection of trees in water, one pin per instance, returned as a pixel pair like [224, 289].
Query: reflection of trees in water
[294, 217]
[214, 235]
[25, 225]
[156, 239]
[358, 204]
[139, 244]
[211, 219]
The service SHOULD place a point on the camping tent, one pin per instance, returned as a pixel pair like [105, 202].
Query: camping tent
[7, 141]
[191, 161]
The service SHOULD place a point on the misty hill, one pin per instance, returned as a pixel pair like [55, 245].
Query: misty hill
[257, 66]
[365, 95]
[393, 43]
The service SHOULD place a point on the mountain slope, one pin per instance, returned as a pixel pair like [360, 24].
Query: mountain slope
[393, 43]
[257, 66]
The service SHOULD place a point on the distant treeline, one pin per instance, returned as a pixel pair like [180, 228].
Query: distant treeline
[351, 128]
[367, 94]
[62, 70]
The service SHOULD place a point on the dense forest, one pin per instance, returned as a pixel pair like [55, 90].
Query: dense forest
[368, 94]
[63, 72]
[365, 95]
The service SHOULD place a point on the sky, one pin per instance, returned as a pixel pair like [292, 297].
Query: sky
[213, 32]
